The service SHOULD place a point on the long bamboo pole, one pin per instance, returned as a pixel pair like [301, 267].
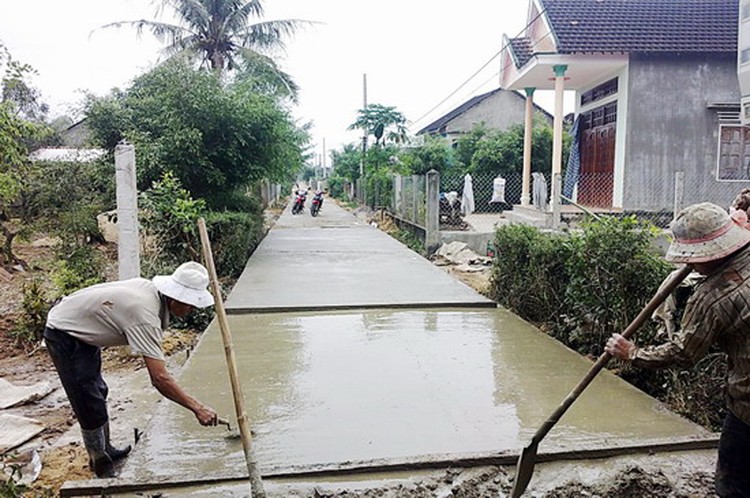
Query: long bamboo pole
[256, 484]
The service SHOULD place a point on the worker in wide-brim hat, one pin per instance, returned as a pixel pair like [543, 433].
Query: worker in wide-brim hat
[131, 312]
[715, 245]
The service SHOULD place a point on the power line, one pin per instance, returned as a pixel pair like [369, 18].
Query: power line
[497, 73]
[485, 65]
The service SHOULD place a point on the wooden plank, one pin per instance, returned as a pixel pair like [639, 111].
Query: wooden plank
[106, 487]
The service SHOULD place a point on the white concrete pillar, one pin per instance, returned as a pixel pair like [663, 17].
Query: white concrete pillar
[432, 221]
[557, 129]
[527, 132]
[128, 252]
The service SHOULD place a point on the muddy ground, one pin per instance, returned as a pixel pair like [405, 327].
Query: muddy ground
[63, 457]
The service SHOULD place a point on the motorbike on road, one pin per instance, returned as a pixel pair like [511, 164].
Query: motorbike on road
[317, 203]
[299, 201]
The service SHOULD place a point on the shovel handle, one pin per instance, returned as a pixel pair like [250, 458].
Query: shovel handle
[645, 313]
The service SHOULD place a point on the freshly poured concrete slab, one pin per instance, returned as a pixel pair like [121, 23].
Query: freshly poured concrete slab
[335, 261]
[387, 384]
[345, 267]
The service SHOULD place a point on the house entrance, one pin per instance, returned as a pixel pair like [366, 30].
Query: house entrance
[596, 180]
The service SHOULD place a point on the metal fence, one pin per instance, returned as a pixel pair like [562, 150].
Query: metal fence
[409, 201]
[646, 198]
[374, 194]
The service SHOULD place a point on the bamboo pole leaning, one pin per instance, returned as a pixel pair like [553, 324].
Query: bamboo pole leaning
[256, 484]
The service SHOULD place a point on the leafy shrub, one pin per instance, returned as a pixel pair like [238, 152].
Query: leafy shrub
[77, 266]
[529, 273]
[10, 477]
[336, 186]
[234, 237]
[34, 313]
[169, 217]
[584, 286]
[614, 271]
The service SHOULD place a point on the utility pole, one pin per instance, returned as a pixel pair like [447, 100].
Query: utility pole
[364, 137]
[325, 171]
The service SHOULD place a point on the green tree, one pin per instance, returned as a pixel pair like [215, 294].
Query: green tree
[17, 133]
[499, 152]
[219, 34]
[346, 162]
[216, 139]
[466, 145]
[383, 122]
[436, 153]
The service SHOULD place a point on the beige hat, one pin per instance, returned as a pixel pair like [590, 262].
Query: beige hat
[187, 285]
[705, 232]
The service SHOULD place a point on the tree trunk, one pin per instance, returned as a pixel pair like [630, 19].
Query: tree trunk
[6, 256]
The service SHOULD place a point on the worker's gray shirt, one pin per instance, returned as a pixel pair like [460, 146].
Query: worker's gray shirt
[127, 312]
[717, 312]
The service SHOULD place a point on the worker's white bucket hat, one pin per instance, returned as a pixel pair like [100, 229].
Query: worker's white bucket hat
[705, 232]
[187, 285]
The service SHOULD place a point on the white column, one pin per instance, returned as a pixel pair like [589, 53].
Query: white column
[128, 253]
[527, 132]
[557, 139]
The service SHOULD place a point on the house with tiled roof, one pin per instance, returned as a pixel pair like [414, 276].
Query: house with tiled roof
[657, 98]
[497, 109]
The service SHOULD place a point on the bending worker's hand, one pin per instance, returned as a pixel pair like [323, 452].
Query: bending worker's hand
[206, 415]
[619, 347]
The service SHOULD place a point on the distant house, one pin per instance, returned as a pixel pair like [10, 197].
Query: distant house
[77, 134]
[498, 109]
[656, 95]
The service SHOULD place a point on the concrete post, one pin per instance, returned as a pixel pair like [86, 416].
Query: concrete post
[679, 192]
[432, 222]
[128, 252]
[414, 199]
[398, 194]
[527, 131]
[558, 128]
[556, 191]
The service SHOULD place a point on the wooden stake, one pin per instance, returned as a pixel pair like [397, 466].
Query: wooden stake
[256, 484]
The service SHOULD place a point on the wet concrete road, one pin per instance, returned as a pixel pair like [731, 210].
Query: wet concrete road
[334, 386]
[335, 261]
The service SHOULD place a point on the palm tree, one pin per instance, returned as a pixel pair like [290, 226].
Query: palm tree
[219, 34]
[376, 119]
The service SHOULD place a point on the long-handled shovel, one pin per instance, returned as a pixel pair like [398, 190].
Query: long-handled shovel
[256, 485]
[526, 461]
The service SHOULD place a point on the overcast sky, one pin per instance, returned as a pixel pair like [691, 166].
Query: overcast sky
[415, 53]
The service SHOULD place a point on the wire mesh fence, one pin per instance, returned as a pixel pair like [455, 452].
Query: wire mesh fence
[653, 199]
[599, 194]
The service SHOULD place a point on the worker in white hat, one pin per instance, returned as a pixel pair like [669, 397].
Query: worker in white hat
[131, 312]
[716, 246]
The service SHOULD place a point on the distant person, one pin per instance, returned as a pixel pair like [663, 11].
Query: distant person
[130, 312]
[718, 312]
[740, 207]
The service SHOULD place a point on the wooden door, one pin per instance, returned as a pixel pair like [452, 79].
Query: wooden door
[596, 180]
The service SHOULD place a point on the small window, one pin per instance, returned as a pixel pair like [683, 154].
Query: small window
[734, 153]
[599, 92]
[745, 56]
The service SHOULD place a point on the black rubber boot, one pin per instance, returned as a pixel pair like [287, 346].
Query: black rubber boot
[99, 461]
[114, 453]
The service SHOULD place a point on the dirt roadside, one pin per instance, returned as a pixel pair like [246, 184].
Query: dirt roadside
[131, 401]
[59, 445]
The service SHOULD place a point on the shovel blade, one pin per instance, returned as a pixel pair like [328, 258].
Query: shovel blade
[524, 469]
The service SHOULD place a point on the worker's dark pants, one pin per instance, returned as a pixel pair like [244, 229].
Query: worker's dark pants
[79, 366]
[733, 467]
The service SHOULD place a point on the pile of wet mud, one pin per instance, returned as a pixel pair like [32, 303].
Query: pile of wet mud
[630, 482]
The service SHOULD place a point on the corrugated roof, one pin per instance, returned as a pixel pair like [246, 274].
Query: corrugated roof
[446, 118]
[439, 123]
[62, 154]
[596, 26]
